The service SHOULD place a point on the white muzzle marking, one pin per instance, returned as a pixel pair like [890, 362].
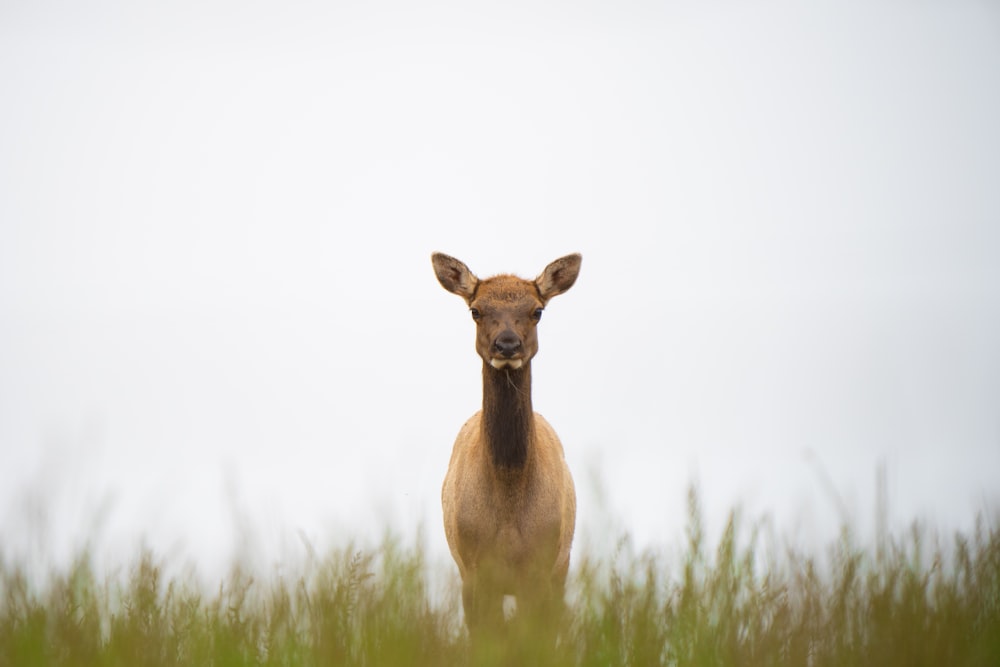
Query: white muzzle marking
[505, 363]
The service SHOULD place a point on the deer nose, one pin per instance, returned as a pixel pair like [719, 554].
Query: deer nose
[507, 344]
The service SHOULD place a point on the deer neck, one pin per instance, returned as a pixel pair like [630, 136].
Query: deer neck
[508, 419]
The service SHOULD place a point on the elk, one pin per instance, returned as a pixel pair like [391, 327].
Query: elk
[508, 498]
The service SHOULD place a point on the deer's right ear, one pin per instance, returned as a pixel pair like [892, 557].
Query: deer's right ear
[454, 276]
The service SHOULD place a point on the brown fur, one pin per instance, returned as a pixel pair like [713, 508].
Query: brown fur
[508, 497]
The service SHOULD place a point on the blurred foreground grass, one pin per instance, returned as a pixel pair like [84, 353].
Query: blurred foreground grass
[911, 603]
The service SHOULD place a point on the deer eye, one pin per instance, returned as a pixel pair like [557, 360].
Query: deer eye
[537, 314]
[475, 313]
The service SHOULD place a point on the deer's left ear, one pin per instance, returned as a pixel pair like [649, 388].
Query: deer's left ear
[558, 276]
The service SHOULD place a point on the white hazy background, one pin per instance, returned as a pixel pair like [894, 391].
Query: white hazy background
[220, 334]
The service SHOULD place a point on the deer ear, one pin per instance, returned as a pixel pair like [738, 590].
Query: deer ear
[558, 276]
[454, 276]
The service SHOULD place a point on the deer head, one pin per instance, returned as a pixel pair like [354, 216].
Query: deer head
[506, 308]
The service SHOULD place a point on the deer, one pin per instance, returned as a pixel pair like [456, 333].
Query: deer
[508, 498]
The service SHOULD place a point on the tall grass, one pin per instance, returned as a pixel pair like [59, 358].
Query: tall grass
[739, 603]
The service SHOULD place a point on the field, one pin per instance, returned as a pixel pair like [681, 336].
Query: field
[912, 600]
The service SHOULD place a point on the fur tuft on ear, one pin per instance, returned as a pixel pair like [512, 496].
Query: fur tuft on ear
[454, 276]
[559, 276]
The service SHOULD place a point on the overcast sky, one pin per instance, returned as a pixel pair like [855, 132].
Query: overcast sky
[218, 315]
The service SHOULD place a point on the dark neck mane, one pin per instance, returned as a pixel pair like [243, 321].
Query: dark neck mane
[508, 419]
